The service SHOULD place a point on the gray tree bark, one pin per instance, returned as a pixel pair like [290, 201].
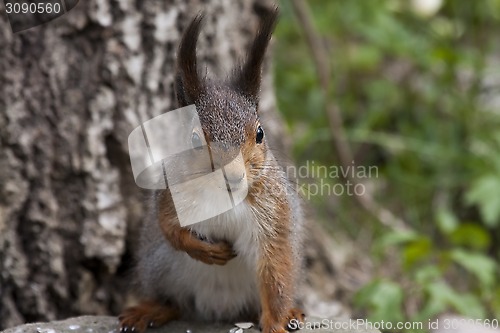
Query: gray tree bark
[71, 92]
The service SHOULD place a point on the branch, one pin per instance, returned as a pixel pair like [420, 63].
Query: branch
[344, 153]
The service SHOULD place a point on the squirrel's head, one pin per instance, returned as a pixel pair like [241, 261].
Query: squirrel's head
[228, 110]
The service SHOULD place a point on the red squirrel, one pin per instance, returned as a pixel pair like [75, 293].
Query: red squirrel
[243, 264]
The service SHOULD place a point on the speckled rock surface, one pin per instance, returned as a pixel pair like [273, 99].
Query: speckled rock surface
[94, 324]
[85, 324]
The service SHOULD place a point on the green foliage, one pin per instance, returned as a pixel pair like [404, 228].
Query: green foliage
[440, 296]
[485, 193]
[479, 265]
[417, 93]
[384, 298]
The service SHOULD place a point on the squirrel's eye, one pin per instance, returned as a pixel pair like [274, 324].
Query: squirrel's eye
[260, 135]
[196, 141]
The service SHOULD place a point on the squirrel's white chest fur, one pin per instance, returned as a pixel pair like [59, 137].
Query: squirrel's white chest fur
[237, 226]
[213, 292]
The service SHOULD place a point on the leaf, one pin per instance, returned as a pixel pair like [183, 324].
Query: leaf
[427, 274]
[485, 193]
[416, 251]
[446, 220]
[397, 237]
[477, 264]
[383, 298]
[441, 296]
[472, 235]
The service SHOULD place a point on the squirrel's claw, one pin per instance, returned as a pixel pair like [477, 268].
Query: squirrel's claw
[126, 329]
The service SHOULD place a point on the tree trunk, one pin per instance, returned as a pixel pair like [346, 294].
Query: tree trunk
[72, 91]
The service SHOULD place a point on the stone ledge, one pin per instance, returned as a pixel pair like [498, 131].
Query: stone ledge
[101, 324]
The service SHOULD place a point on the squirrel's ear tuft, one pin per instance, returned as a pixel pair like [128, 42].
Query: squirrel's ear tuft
[188, 86]
[248, 77]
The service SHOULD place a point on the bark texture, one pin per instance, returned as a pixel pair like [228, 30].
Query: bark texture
[71, 92]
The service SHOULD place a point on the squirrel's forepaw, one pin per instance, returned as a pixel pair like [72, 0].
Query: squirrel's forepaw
[148, 314]
[209, 253]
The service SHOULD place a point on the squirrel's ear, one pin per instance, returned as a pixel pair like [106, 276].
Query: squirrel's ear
[187, 82]
[247, 77]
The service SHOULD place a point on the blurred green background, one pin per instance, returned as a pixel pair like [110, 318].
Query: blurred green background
[418, 86]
